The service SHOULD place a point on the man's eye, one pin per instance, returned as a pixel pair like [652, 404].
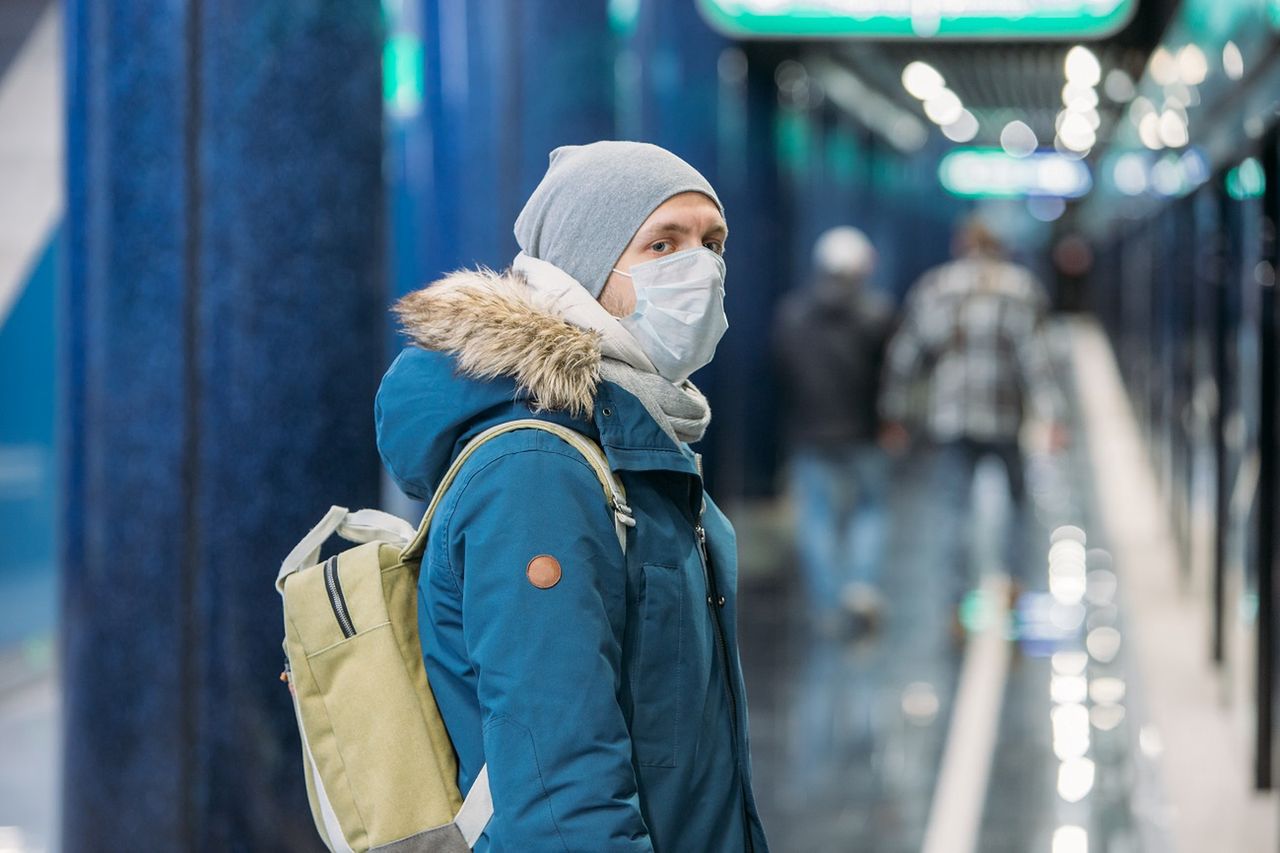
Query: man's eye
[715, 246]
[660, 246]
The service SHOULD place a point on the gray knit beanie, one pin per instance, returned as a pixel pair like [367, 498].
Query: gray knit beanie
[592, 201]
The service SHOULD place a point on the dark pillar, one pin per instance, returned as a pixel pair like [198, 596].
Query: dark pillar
[503, 83]
[223, 323]
[686, 87]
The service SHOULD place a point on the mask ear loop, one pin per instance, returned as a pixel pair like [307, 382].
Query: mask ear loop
[620, 272]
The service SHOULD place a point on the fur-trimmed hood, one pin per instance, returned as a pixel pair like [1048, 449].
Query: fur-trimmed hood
[493, 324]
[488, 347]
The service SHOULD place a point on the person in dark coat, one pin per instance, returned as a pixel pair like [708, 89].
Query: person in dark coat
[829, 340]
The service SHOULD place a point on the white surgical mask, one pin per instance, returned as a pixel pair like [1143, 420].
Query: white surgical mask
[679, 317]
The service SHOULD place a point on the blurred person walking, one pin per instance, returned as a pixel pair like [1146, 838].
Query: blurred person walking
[601, 688]
[973, 334]
[829, 340]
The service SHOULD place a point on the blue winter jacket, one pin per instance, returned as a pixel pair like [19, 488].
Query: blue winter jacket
[610, 706]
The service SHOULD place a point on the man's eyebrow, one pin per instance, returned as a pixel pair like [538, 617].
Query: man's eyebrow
[681, 229]
[668, 228]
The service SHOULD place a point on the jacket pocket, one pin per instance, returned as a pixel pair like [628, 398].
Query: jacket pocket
[656, 681]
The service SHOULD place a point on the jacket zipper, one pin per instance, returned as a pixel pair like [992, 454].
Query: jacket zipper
[715, 601]
[336, 599]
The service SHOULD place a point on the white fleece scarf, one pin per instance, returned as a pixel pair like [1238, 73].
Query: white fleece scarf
[680, 410]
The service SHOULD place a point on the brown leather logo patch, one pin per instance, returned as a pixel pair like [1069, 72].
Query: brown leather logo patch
[543, 571]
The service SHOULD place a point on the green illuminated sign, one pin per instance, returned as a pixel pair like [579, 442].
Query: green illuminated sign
[991, 173]
[957, 19]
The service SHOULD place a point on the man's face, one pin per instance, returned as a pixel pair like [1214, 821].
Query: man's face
[685, 221]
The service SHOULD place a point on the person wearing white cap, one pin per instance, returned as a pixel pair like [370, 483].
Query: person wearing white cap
[830, 339]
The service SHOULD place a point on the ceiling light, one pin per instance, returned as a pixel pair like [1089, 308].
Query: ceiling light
[1079, 98]
[1232, 61]
[922, 80]
[1163, 67]
[943, 107]
[1119, 86]
[1076, 132]
[1192, 66]
[1082, 66]
[1018, 139]
[1149, 131]
[963, 129]
[1173, 129]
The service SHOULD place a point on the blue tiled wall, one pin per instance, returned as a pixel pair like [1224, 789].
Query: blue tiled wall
[28, 471]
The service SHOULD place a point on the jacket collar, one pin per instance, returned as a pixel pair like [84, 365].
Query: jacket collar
[550, 341]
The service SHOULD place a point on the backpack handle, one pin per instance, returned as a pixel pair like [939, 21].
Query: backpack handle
[364, 525]
[614, 493]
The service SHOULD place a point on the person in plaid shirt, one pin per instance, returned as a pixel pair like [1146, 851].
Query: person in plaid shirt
[971, 341]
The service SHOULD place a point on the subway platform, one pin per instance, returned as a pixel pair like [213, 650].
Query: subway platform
[1124, 703]
[1084, 719]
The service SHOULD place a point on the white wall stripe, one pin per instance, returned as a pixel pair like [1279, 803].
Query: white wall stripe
[31, 153]
[1204, 764]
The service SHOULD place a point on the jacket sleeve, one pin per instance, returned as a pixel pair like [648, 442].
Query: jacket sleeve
[1035, 365]
[903, 356]
[547, 660]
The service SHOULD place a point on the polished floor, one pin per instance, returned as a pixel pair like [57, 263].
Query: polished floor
[849, 733]
[1033, 733]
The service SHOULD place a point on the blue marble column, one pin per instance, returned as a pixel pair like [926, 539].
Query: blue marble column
[503, 82]
[688, 88]
[224, 327]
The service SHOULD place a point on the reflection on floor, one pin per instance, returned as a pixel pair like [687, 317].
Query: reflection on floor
[848, 735]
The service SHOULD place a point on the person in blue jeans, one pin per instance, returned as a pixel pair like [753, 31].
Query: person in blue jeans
[973, 334]
[829, 341]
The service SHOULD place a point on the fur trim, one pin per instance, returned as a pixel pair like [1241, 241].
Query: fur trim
[492, 325]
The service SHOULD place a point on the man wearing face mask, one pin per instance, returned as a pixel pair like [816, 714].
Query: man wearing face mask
[602, 688]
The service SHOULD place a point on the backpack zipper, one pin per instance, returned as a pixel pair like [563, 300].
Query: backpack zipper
[336, 599]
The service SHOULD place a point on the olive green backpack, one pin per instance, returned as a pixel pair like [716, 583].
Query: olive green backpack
[380, 769]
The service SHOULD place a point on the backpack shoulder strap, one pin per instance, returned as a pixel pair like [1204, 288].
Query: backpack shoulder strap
[477, 807]
[614, 493]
